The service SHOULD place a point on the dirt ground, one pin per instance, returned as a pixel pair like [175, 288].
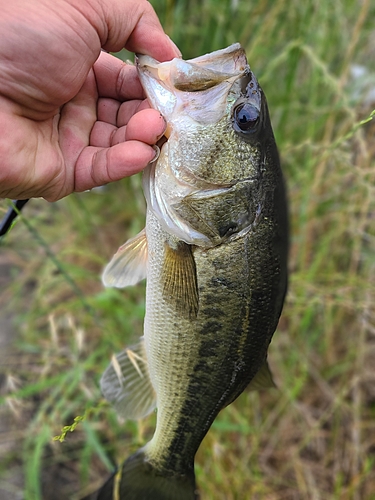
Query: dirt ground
[11, 486]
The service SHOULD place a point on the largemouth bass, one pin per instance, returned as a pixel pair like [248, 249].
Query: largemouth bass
[214, 252]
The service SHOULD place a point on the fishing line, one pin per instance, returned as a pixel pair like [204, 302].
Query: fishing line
[11, 215]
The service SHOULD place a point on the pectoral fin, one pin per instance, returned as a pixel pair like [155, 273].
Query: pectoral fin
[263, 379]
[126, 383]
[180, 279]
[129, 264]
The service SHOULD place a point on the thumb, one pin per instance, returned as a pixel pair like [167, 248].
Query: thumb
[133, 24]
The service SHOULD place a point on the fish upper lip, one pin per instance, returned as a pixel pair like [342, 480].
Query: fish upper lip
[180, 75]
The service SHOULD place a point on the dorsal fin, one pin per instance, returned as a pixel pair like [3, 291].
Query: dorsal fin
[126, 383]
[129, 264]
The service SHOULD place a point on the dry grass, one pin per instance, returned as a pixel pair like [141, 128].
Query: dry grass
[314, 437]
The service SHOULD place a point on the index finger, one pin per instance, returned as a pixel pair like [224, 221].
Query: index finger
[116, 79]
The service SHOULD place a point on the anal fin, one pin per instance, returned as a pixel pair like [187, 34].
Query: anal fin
[126, 383]
[263, 379]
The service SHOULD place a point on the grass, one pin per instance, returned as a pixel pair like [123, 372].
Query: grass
[314, 437]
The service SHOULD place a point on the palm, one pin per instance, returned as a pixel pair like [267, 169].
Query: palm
[71, 124]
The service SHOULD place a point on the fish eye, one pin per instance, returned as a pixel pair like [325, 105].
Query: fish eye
[246, 117]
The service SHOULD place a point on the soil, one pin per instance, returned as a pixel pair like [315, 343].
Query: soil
[12, 484]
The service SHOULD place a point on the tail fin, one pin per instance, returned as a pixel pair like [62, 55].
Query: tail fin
[139, 480]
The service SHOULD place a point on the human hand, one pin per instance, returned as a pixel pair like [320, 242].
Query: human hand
[73, 117]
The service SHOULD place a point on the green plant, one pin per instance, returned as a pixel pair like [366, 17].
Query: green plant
[314, 437]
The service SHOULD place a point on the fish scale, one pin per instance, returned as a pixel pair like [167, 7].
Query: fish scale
[219, 356]
[214, 252]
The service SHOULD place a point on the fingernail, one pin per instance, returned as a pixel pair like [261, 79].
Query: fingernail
[157, 153]
[175, 47]
[165, 128]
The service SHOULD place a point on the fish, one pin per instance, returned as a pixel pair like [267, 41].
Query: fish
[214, 253]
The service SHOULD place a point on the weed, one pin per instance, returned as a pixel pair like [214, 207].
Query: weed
[314, 437]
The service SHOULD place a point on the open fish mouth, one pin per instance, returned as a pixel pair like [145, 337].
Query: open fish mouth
[196, 74]
[169, 85]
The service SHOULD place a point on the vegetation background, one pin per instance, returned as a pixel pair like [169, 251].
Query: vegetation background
[314, 437]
